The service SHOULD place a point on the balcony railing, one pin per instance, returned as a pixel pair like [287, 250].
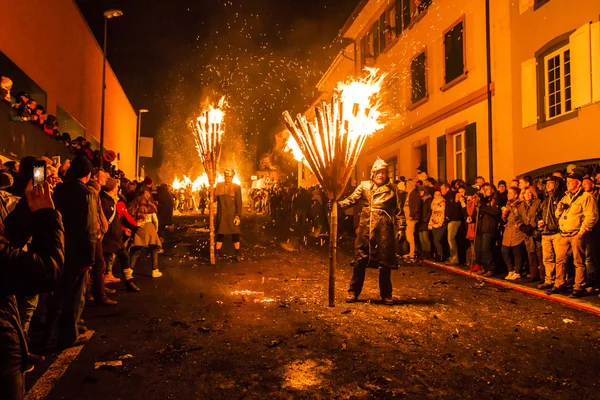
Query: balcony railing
[20, 139]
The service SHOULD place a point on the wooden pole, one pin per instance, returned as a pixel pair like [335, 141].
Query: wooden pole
[333, 227]
[211, 216]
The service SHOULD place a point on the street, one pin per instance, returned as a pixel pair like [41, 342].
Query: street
[261, 328]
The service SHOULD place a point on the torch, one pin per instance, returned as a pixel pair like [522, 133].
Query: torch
[208, 132]
[332, 143]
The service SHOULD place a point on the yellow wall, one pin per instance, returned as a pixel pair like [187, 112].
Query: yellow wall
[54, 46]
[572, 140]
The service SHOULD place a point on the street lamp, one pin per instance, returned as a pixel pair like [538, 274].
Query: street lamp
[137, 145]
[108, 14]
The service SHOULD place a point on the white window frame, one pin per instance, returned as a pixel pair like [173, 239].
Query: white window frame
[462, 153]
[563, 100]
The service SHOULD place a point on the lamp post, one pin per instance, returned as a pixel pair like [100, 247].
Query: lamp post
[108, 14]
[137, 142]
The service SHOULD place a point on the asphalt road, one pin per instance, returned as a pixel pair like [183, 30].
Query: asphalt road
[261, 328]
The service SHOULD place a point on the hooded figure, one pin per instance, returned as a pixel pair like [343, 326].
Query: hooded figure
[228, 196]
[375, 241]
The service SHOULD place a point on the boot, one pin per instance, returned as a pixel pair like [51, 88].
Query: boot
[130, 286]
[351, 298]
[237, 257]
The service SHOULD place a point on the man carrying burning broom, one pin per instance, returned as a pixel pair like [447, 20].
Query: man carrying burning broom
[375, 241]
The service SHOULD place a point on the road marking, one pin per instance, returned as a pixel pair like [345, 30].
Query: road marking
[48, 380]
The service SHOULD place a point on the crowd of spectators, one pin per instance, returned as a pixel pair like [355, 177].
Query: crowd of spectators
[543, 231]
[59, 241]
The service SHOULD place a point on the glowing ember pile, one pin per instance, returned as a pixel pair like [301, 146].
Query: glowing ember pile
[200, 182]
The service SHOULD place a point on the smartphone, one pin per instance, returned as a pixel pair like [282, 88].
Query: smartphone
[39, 173]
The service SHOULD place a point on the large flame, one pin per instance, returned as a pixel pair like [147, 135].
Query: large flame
[292, 147]
[208, 131]
[199, 183]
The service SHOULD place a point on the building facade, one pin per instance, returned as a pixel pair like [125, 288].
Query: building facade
[52, 53]
[456, 76]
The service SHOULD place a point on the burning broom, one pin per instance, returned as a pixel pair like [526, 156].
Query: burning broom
[332, 143]
[208, 132]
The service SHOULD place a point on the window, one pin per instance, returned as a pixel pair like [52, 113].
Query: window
[418, 78]
[454, 52]
[392, 167]
[387, 28]
[460, 153]
[538, 3]
[441, 159]
[557, 73]
[419, 6]
[68, 123]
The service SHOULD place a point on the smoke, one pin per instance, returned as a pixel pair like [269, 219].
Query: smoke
[264, 59]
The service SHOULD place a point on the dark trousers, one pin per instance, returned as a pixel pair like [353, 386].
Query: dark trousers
[513, 257]
[484, 252]
[66, 306]
[358, 280]
[438, 238]
[136, 252]
[11, 363]
[123, 257]
[98, 273]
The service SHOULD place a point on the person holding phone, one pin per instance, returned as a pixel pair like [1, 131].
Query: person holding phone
[26, 273]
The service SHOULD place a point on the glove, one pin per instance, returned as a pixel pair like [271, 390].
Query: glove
[237, 221]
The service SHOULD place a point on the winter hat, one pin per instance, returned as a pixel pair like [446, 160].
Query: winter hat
[379, 164]
[147, 181]
[80, 167]
[111, 183]
[577, 173]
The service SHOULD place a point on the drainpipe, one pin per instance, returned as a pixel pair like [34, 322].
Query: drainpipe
[489, 88]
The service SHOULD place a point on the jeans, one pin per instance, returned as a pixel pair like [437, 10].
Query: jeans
[513, 257]
[578, 244]
[453, 227]
[358, 279]
[410, 237]
[425, 243]
[123, 257]
[98, 273]
[549, 251]
[66, 306]
[483, 251]
[438, 236]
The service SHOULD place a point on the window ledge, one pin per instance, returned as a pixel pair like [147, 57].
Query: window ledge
[390, 45]
[418, 103]
[558, 120]
[455, 81]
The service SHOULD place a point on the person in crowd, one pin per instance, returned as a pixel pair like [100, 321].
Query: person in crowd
[479, 182]
[423, 225]
[502, 194]
[20, 105]
[548, 226]
[6, 85]
[530, 213]
[412, 210]
[79, 211]
[144, 212]
[7, 200]
[437, 223]
[25, 273]
[513, 241]
[577, 214]
[112, 243]
[228, 196]
[13, 168]
[166, 205]
[454, 218]
[203, 203]
[375, 241]
[487, 217]
[99, 291]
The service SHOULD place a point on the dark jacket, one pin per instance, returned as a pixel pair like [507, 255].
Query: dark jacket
[25, 273]
[414, 205]
[113, 238]
[78, 208]
[166, 204]
[487, 215]
[18, 225]
[453, 208]
[381, 211]
[425, 214]
[229, 206]
[529, 215]
[549, 212]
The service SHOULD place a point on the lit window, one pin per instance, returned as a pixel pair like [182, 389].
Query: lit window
[557, 72]
[459, 156]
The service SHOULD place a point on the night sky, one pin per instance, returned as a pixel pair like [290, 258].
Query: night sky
[265, 56]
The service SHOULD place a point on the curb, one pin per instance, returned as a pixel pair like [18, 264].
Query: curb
[575, 303]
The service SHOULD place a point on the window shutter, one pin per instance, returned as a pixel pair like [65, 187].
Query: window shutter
[471, 148]
[398, 17]
[581, 67]
[525, 5]
[595, 47]
[441, 158]
[382, 32]
[406, 13]
[375, 35]
[528, 93]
